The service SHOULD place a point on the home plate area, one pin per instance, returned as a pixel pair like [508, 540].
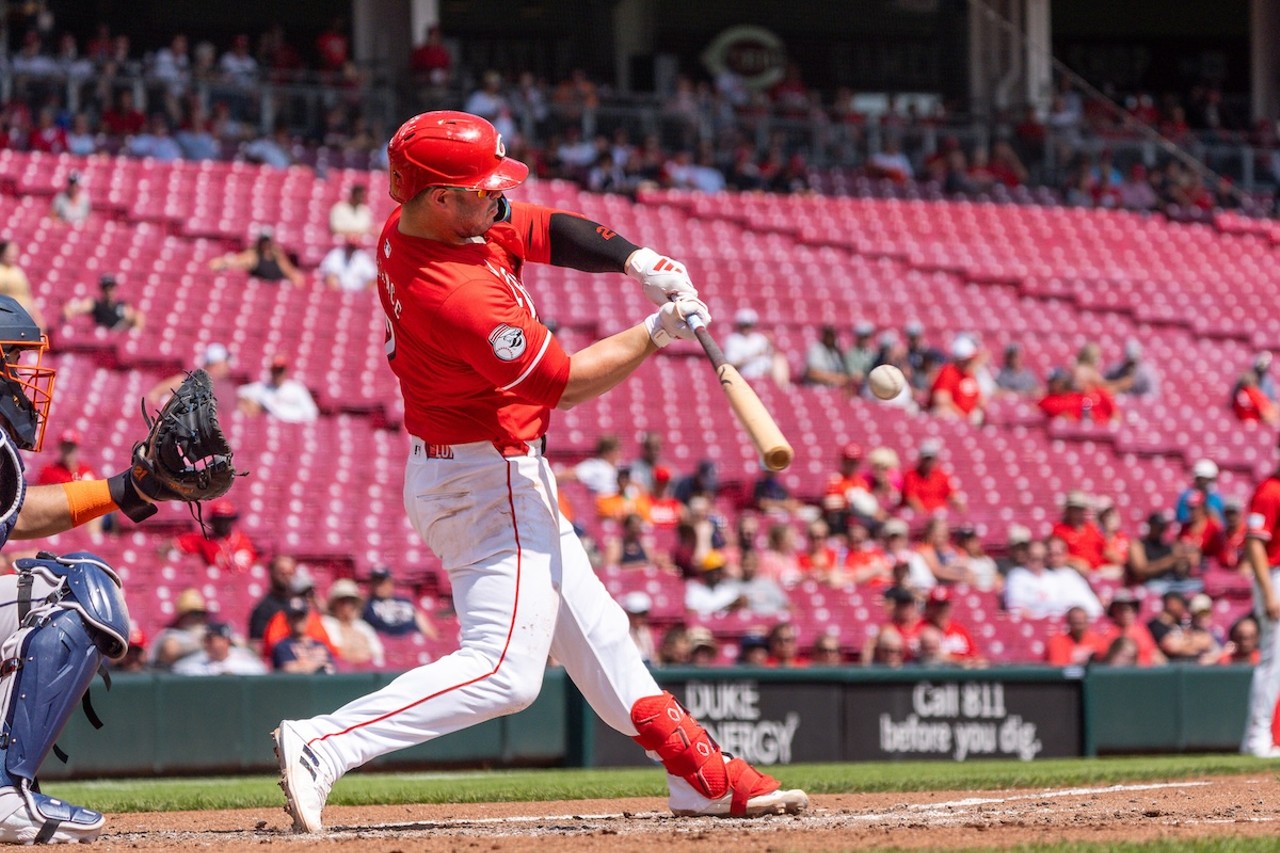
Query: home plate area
[1193, 808]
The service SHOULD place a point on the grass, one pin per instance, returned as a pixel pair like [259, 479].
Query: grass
[133, 795]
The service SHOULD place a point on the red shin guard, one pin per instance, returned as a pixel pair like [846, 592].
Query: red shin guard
[684, 746]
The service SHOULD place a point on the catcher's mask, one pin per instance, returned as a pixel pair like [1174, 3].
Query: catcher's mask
[26, 385]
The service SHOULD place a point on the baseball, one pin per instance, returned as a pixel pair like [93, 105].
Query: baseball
[886, 381]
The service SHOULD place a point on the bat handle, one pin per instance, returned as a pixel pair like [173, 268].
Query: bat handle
[709, 345]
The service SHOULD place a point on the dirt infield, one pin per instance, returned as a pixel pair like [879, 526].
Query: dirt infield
[1191, 808]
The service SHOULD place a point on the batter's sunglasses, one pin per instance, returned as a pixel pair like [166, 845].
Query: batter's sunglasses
[479, 193]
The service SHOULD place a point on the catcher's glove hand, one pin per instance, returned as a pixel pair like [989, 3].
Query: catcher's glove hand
[185, 456]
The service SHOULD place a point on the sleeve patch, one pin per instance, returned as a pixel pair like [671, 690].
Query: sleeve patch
[1257, 525]
[508, 342]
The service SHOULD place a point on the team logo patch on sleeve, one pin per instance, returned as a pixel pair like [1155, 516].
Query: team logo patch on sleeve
[508, 342]
[1256, 523]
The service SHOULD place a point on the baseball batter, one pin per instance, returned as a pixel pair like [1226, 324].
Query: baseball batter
[480, 374]
[1262, 555]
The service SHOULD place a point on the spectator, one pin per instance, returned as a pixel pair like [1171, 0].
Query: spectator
[263, 260]
[156, 143]
[1169, 628]
[703, 649]
[784, 647]
[1204, 479]
[769, 495]
[1017, 545]
[1046, 585]
[71, 205]
[1060, 399]
[238, 66]
[107, 311]
[649, 460]
[1136, 193]
[958, 645]
[752, 353]
[824, 364]
[81, 140]
[753, 650]
[1122, 651]
[886, 649]
[826, 651]
[124, 119]
[891, 351]
[1123, 613]
[432, 58]
[676, 648]
[354, 639]
[780, 561]
[279, 396]
[956, 392]
[135, 659]
[488, 101]
[903, 620]
[195, 135]
[865, 562]
[628, 550]
[352, 217]
[1262, 369]
[1133, 376]
[1230, 545]
[890, 162]
[818, 560]
[1203, 634]
[215, 361]
[301, 588]
[392, 614]
[983, 574]
[1084, 539]
[1201, 533]
[704, 482]
[713, 592]
[1116, 543]
[1242, 643]
[348, 267]
[637, 605]
[299, 652]
[861, 355]
[764, 596]
[664, 510]
[884, 479]
[928, 488]
[274, 151]
[1078, 644]
[171, 65]
[944, 562]
[1014, 377]
[1250, 404]
[599, 472]
[843, 486]
[1159, 564]
[67, 467]
[1087, 376]
[333, 46]
[226, 547]
[220, 655]
[185, 634]
[280, 573]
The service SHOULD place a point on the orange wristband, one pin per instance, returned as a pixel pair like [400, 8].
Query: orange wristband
[88, 499]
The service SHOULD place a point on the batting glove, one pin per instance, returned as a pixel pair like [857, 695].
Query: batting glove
[663, 278]
[671, 321]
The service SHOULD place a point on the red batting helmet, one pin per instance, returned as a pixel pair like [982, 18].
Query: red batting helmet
[450, 149]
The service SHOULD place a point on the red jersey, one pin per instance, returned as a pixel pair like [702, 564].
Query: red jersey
[1207, 538]
[836, 497]
[958, 642]
[56, 472]
[932, 491]
[1063, 650]
[463, 336]
[1085, 542]
[1250, 404]
[1141, 637]
[1264, 517]
[963, 387]
[665, 512]
[234, 552]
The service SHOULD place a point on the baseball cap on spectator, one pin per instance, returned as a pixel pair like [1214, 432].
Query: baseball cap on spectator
[939, 595]
[223, 508]
[1233, 505]
[380, 573]
[637, 602]
[965, 531]
[661, 474]
[883, 457]
[930, 448]
[1201, 603]
[1123, 598]
[851, 451]
[863, 504]
[700, 637]
[895, 527]
[713, 560]
[1205, 469]
[899, 595]
[1010, 349]
[69, 436]
[344, 588]
[913, 328]
[746, 317]
[302, 582]
[863, 328]
[73, 177]
[1132, 349]
[296, 607]
[279, 362]
[218, 629]
[190, 601]
[963, 347]
[1158, 518]
[753, 641]
[214, 353]
[137, 637]
[107, 280]
[1019, 535]
[1076, 499]
[1262, 361]
[888, 338]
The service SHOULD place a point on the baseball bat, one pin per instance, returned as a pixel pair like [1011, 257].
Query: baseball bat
[751, 413]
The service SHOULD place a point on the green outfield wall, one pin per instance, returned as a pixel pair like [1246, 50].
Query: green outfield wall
[163, 724]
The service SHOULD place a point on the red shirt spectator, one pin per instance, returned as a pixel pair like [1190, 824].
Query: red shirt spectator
[432, 57]
[955, 389]
[1124, 617]
[47, 136]
[1250, 404]
[841, 483]
[957, 643]
[1085, 541]
[819, 559]
[1230, 542]
[927, 487]
[333, 46]
[227, 548]
[124, 119]
[1201, 531]
[1076, 645]
[67, 468]
[904, 616]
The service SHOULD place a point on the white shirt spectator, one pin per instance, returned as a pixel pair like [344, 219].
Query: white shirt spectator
[73, 211]
[1051, 592]
[241, 70]
[334, 628]
[705, 600]
[750, 352]
[288, 401]
[346, 218]
[765, 596]
[239, 661]
[348, 268]
[598, 475]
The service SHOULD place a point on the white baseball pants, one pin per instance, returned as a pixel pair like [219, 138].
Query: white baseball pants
[1265, 687]
[522, 587]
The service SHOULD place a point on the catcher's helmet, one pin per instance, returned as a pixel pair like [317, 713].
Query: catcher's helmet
[26, 386]
[450, 149]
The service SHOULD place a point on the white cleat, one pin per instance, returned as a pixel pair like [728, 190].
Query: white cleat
[685, 801]
[34, 818]
[303, 778]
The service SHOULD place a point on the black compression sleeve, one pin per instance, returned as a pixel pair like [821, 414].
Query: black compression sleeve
[584, 245]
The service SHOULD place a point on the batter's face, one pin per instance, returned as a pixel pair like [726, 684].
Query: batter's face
[468, 214]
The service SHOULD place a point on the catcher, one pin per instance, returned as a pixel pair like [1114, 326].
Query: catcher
[61, 617]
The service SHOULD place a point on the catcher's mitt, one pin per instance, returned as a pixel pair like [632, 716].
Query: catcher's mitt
[185, 456]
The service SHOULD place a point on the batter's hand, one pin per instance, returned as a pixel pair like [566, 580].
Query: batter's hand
[663, 278]
[671, 321]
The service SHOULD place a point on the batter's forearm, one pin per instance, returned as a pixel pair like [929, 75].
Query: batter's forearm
[580, 244]
[604, 364]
